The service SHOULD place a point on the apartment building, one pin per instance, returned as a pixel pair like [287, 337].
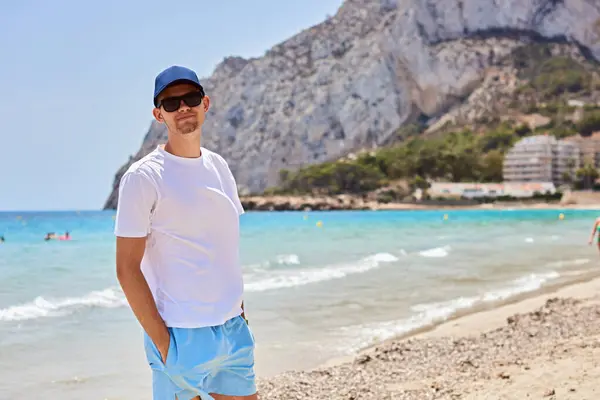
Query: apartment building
[541, 158]
[589, 146]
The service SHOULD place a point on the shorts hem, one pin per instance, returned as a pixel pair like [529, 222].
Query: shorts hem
[247, 391]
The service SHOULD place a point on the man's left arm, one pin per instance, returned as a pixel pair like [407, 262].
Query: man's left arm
[232, 191]
[230, 186]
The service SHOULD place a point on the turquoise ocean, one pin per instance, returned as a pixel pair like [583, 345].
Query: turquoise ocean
[319, 285]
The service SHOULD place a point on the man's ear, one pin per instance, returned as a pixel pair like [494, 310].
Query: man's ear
[158, 115]
[206, 103]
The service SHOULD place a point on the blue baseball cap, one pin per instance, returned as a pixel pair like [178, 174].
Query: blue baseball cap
[174, 74]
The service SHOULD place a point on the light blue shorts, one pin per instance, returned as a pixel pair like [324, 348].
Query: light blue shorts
[214, 359]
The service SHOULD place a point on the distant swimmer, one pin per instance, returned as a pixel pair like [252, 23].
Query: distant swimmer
[594, 230]
[50, 236]
[2, 239]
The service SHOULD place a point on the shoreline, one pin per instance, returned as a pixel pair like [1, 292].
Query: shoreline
[579, 288]
[478, 318]
[356, 203]
[564, 301]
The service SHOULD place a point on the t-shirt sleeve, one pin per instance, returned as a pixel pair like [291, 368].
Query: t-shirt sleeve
[230, 186]
[137, 198]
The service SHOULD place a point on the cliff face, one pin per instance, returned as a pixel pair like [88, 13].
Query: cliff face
[351, 81]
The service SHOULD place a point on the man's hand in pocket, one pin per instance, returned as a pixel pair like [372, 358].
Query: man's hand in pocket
[162, 344]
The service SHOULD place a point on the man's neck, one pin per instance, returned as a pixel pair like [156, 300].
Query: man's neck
[184, 147]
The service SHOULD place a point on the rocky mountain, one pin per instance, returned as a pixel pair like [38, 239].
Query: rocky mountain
[350, 82]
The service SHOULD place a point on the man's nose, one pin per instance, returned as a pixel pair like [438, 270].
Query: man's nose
[183, 107]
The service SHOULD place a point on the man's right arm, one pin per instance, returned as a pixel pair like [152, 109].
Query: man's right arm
[129, 257]
[137, 197]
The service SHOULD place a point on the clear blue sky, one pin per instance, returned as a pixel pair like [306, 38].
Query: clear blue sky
[77, 78]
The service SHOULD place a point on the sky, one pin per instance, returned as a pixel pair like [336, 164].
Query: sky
[77, 77]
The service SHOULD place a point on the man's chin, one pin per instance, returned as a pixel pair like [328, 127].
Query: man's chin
[186, 129]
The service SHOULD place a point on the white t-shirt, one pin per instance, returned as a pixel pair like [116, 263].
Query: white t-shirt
[189, 209]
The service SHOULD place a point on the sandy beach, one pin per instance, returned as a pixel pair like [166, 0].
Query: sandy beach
[547, 346]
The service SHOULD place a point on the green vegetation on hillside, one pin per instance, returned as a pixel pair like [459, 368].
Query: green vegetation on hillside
[559, 75]
[551, 76]
[589, 123]
[458, 156]
[551, 81]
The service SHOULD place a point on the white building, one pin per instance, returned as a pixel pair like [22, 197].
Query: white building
[474, 189]
[541, 158]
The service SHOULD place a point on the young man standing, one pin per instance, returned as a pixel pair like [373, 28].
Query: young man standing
[177, 228]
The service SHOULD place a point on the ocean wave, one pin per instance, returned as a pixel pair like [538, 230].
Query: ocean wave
[465, 279]
[569, 263]
[290, 278]
[42, 307]
[437, 252]
[287, 259]
[525, 284]
[113, 297]
[280, 260]
[429, 314]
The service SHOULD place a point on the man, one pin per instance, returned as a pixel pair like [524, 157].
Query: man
[177, 228]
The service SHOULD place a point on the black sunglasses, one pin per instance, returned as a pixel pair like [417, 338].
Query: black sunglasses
[171, 104]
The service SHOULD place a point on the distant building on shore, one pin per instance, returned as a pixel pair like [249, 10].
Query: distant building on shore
[477, 190]
[542, 158]
[589, 146]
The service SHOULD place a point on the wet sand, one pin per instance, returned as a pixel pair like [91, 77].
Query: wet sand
[546, 346]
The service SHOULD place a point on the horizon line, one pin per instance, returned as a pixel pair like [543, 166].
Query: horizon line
[56, 210]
